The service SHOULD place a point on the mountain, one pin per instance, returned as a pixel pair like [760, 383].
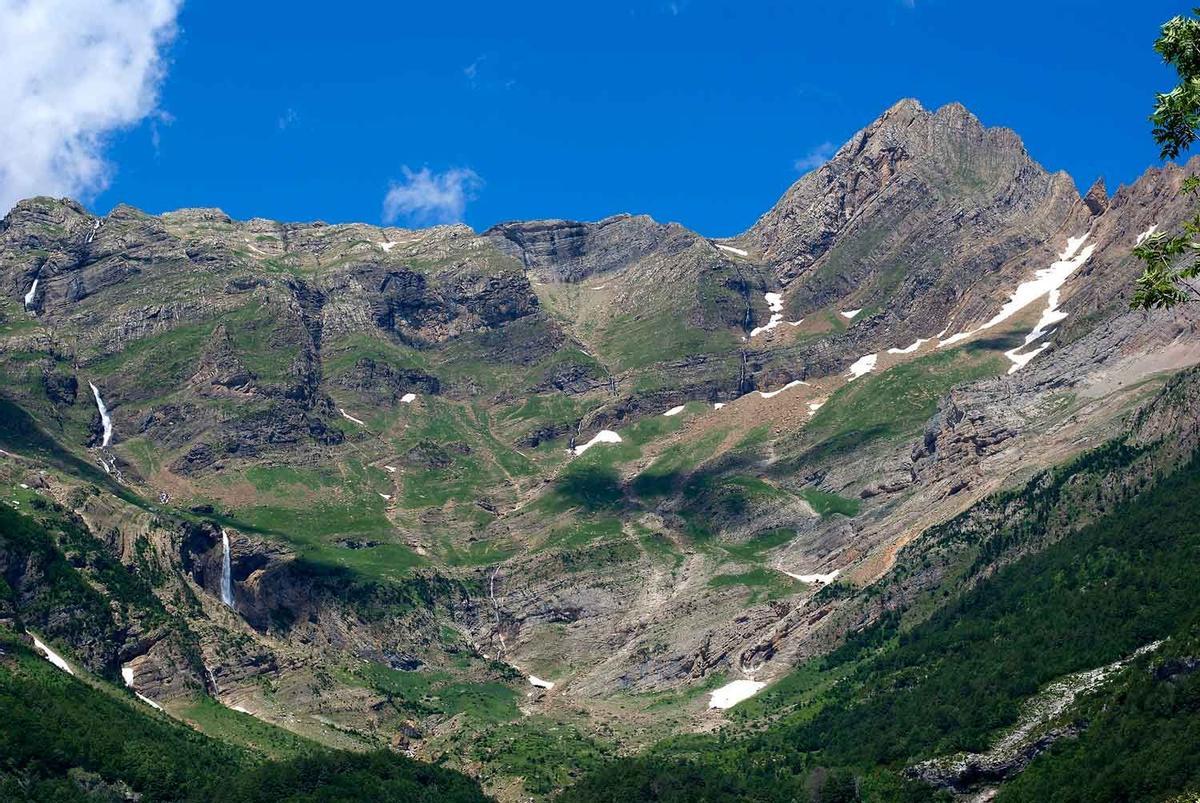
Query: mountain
[525, 500]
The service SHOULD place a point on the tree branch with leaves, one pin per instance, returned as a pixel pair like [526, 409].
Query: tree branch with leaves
[1171, 275]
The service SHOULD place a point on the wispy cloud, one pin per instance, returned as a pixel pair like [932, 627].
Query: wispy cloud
[159, 118]
[425, 197]
[816, 157]
[487, 73]
[288, 119]
[471, 71]
[74, 72]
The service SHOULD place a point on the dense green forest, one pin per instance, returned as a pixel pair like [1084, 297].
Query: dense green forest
[951, 682]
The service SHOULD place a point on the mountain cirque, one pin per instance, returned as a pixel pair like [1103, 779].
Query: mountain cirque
[382, 422]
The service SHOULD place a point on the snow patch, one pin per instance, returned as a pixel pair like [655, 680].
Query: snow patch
[534, 680]
[388, 246]
[104, 418]
[733, 693]
[239, 709]
[603, 436]
[1147, 234]
[349, 417]
[148, 701]
[408, 398]
[813, 406]
[674, 411]
[600, 287]
[718, 405]
[1051, 315]
[863, 366]
[775, 305]
[1044, 281]
[32, 292]
[95, 228]
[850, 313]
[127, 675]
[386, 498]
[732, 250]
[819, 579]
[50, 654]
[921, 341]
[772, 394]
[390, 469]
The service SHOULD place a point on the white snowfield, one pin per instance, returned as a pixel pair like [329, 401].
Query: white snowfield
[148, 701]
[127, 675]
[603, 436]
[821, 579]
[1051, 315]
[733, 693]
[32, 292]
[408, 398]
[390, 469]
[775, 305]
[813, 406]
[1141, 238]
[105, 420]
[863, 366]
[772, 394]
[850, 313]
[732, 250]
[674, 411]
[388, 246]
[921, 341]
[1046, 281]
[349, 417]
[718, 405]
[50, 654]
[534, 680]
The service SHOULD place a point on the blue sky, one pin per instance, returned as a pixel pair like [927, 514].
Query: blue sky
[696, 111]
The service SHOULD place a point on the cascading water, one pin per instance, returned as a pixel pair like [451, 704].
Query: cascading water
[226, 572]
[104, 419]
[31, 294]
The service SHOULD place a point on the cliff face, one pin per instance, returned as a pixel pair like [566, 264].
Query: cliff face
[395, 428]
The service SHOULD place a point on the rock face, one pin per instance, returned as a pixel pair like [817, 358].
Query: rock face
[923, 215]
[568, 251]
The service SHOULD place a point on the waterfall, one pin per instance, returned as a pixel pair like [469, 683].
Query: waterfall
[32, 292]
[226, 572]
[104, 419]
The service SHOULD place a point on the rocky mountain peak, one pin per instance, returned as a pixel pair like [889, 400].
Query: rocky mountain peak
[1097, 197]
[943, 161]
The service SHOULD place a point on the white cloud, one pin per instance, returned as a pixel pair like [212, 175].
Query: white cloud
[426, 197]
[72, 72]
[816, 157]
